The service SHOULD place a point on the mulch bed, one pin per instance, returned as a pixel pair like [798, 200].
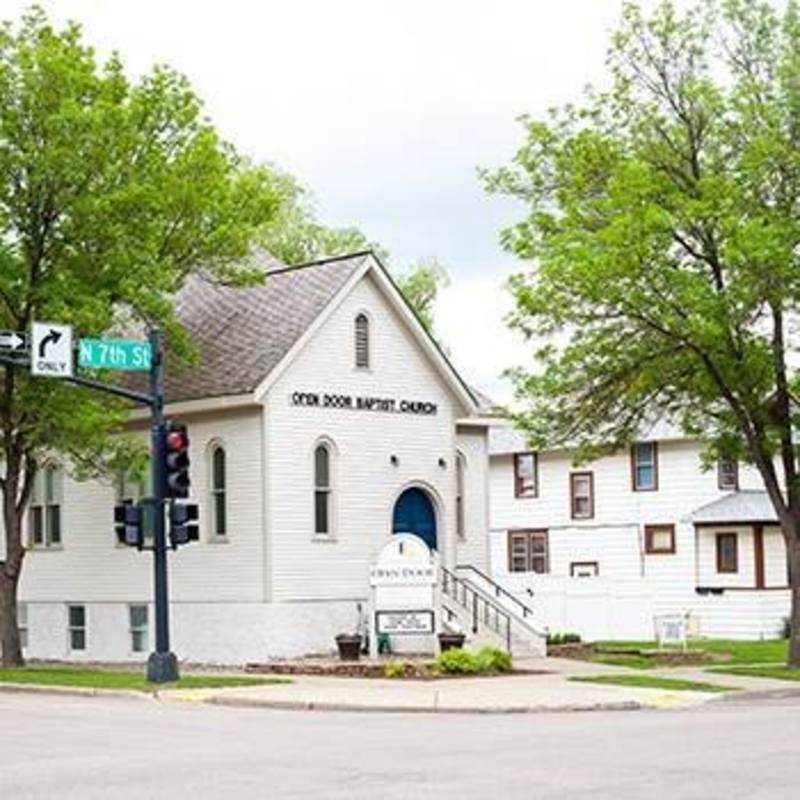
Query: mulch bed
[414, 670]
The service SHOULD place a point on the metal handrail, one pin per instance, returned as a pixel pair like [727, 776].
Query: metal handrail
[476, 602]
[498, 590]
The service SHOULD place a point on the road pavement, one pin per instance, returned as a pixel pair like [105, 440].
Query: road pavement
[95, 747]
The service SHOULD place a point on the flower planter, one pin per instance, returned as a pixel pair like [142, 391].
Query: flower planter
[349, 645]
[451, 641]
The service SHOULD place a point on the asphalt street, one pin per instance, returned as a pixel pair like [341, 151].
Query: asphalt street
[68, 747]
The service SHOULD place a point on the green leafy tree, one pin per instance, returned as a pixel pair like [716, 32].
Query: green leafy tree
[111, 193]
[421, 284]
[663, 230]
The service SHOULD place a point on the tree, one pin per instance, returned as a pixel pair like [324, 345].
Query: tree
[421, 284]
[111, 193]
[663, 228]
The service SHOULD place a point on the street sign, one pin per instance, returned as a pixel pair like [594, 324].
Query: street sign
[51, 350]
[121, 354]
[11, 340]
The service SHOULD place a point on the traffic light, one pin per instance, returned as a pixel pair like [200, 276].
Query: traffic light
[183, 526]
[128, 525]
[177, 460]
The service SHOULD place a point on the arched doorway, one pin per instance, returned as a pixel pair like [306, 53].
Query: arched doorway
[414, 513]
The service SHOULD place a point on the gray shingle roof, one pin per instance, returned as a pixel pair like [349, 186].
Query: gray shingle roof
[743, 506]
[241, 334]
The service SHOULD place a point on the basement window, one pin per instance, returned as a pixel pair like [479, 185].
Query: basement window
[77, 627]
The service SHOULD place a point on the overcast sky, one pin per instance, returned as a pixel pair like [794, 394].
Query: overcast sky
[384, 109]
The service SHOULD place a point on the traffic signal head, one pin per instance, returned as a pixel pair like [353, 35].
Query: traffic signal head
[176, 457]
[128, 525]
[183, 526]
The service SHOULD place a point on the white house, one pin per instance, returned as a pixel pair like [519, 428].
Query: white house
[604, 548]
[323, 418]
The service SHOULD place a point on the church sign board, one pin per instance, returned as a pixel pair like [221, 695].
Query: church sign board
[403, 580]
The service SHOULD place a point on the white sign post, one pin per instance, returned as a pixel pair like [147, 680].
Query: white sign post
[403, 582]
[51, 350]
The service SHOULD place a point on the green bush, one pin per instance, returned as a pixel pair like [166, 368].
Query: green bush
[394, 669]
[457, 662]
[492, 659]
[563, 638]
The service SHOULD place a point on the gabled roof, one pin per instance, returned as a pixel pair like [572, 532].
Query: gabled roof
[743, 506]
[241, 334]
[245, 336]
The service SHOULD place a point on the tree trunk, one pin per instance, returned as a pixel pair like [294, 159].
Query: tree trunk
[10, 569]
[9, 632]
[793, 552]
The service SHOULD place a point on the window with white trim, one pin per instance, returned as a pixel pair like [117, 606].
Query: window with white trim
[219, 513]
[77, 627]
[322, 489]
[22, 624]
[461, 462]
[362, 341]
[728, 474]
[44, 511]
[644, 466]
[137, 616]
[526, 477]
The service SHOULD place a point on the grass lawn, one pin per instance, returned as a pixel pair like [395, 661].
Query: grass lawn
[781, 673]
[729, 651]
[92, 678]
[650, 682]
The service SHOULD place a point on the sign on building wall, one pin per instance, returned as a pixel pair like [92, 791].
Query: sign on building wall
[390, 405]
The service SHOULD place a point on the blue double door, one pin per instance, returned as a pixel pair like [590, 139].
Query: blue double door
[414, 513]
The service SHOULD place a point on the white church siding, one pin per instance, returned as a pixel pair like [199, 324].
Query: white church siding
[365, 483]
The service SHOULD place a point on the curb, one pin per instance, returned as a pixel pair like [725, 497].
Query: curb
[75, 691]
[313, 705]
[758, 694]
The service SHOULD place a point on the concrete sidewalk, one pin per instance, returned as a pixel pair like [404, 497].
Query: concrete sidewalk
[515, 693]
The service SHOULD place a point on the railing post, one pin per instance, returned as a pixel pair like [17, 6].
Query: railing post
[474, 612]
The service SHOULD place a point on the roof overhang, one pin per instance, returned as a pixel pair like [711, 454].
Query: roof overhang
[200, 405]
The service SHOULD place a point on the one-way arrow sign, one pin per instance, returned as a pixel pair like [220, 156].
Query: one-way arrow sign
[11, 340]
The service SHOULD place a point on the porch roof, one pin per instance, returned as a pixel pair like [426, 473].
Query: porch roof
[747, 506]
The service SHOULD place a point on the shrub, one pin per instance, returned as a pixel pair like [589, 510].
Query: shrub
[457, 662]
[492, 659]
[394, 669]
[563, 638]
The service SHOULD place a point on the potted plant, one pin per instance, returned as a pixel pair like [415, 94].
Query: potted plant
[349, 645]
[449, 640]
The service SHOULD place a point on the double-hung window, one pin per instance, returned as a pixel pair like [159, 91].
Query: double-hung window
[527, 551]
[322, 490]
[581, 486]
[138, 628]
[77, 627]
[728, 474]
[727, 552]
[219, 519]
[44, 515]
[644, 466]
[526, 483]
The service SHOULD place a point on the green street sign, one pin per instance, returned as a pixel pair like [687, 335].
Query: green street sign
[122, 354]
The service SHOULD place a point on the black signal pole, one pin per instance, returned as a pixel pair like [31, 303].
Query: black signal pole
[162, 666]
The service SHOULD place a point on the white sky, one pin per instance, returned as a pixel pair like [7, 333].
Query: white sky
[384, 109]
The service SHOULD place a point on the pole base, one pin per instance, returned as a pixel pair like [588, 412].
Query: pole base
[162, 667]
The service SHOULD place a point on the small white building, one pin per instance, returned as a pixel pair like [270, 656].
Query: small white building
[323, 419]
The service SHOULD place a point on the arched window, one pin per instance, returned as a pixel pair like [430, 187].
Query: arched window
[362, 341]
[322, 489]
[461, 464]
[219, 517]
